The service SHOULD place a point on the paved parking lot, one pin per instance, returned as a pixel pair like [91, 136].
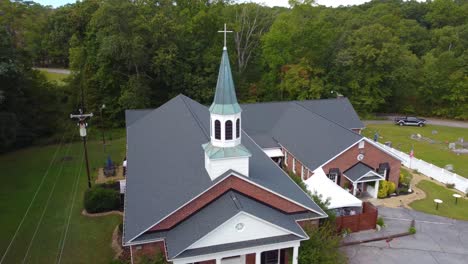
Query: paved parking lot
[438, 240]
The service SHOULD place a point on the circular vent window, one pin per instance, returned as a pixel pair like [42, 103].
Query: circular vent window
[240, 227]
[360, 157]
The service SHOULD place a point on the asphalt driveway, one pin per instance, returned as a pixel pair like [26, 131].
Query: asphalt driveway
[437, 240]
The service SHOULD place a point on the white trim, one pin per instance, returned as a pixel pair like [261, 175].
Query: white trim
[348, 148]
[244, 251]
[302, 172]
[384, 150]
[233, 173]
[294, 165]
[366, 175]
[273, 152]
[339, 154]
[240, 213]
[285, 157]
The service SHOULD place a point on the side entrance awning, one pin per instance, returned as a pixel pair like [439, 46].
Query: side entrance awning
[339, 198]
[361, 172]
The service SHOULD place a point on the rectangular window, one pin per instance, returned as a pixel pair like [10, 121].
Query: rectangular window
[302, 172]
[270, 257]
[285, 157]
[361, 144]
[332, 177]
[294, 165]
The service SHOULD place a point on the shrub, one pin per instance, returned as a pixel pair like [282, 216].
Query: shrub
[402, 190]
[380, 222]
[450, 185]
[391, 187]
[98, 199]
[412, 230]
[383, 189]
[405, 177]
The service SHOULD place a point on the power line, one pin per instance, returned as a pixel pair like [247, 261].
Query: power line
[48, 201]
[34, 196]
[75, 188]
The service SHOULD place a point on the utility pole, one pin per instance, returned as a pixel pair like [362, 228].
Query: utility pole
[82, 125]
[102, 127]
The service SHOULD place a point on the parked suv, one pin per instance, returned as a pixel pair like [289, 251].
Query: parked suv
[410, 121]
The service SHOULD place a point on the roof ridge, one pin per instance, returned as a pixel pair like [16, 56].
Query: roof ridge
[292, 101]
[331, 121]
[194, 116]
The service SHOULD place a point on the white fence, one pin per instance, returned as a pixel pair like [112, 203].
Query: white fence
[442, 175]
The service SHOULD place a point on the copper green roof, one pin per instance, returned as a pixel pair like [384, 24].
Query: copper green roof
[230, 152]
[225, 100]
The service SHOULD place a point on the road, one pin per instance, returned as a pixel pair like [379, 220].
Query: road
[437, 240]
[430, 121]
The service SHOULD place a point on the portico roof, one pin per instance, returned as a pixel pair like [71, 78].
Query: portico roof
[361, 172]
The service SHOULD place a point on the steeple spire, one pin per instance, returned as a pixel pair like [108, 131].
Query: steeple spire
[225, 100]
[225, 151]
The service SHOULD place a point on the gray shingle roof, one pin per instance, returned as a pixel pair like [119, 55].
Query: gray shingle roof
[238, 245]
[339, 110]
[357, 171]
[166, 164]
[310, 137]
[222, 209]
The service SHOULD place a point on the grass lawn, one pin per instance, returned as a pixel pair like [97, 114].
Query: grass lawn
[53, 76]
[447, 208]
[435, 153]
[88, 239]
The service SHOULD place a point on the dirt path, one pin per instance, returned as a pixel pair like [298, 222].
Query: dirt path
[404, 200]
[53, 70]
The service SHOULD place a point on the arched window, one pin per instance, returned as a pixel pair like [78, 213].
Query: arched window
[228, 130]
[238, 128]
[217, 129]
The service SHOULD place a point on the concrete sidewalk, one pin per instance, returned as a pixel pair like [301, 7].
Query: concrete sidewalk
[437, 240]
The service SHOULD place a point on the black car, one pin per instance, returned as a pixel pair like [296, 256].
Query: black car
[410, 121]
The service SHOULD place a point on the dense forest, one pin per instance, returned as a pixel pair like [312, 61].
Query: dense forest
[386, 56]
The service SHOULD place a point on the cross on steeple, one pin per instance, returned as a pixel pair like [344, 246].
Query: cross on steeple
[225, 32]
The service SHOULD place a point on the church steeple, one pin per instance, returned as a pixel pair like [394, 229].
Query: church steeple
[224, 151]
[225, 100]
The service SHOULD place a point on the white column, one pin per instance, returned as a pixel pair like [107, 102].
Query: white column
[354, 189]
[218, 261]
[295, 254]
[258, 257]
[376, 191]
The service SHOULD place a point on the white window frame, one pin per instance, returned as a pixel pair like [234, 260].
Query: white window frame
[302, 172]
[285, 157]
[362, 144]
[294, 165]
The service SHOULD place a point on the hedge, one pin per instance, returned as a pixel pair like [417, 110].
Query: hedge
[98, 200]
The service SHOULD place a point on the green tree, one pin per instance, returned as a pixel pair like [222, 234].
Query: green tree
[322, 246]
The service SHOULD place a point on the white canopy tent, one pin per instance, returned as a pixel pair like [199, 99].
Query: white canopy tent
[339, 197]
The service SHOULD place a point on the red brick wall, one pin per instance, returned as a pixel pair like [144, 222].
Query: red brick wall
[373, 156]
[289, 165]
[149, 250]
[250, 259]
[229, 183]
